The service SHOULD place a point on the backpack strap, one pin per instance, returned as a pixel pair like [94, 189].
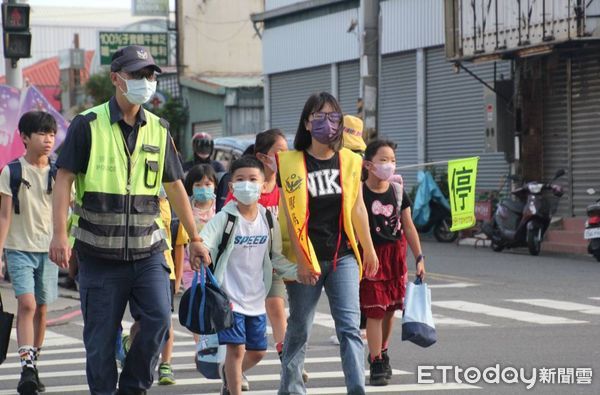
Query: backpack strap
[225, 238]
[51, 175]
[269, 216]
[398, 190]
[16, 178]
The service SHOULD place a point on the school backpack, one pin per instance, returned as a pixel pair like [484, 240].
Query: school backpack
[16, 179]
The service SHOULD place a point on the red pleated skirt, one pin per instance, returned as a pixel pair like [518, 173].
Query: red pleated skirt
[385, 291]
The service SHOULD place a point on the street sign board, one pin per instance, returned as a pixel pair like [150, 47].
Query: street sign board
[150, 7]
[157, 43]
[462, 177]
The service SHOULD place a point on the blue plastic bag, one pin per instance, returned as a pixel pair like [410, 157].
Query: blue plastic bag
[417, 320]
[209, 355]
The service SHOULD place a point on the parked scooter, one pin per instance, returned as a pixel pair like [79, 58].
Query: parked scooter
[592, 227]
[523, 222]
[432, 210]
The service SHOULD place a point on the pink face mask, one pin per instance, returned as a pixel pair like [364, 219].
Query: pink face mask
[384, 171]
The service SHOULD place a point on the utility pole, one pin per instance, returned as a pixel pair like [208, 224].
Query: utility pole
[369, 64]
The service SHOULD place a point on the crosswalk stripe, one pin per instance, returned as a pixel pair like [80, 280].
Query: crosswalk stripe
[53, 339]
[452, 285]
[518, 315]
[560, 305]
[323, 319]
[183, 367]
[393, 389]
[202, 381]
[595, 297]
[442, 320]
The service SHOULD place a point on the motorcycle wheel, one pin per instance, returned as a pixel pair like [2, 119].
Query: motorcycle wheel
[534, 240]
[442, 233]
[497, 247]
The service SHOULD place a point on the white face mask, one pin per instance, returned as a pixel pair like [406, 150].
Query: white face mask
[139, 91]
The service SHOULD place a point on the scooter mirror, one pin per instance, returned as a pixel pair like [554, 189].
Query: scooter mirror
[560, 173]
[591, 191]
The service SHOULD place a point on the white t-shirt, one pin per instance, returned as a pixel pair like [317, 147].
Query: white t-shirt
[31, 230]
[243, 279]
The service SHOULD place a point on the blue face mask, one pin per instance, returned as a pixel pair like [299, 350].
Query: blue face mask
[247, 192]
[204, 193]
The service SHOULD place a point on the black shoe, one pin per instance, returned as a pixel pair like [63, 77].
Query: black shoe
[28, 384]
[377, 377]
[41, 386]
[388, 367]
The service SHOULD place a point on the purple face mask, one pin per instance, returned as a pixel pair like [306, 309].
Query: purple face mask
[325, 131]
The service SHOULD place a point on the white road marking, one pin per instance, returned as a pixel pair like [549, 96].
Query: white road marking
[53, 339]
[517, 315]
[560, 305]
[452, 285]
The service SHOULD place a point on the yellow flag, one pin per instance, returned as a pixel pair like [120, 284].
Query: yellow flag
[462, 175]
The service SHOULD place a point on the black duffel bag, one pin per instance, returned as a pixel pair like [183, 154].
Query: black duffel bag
[205, 308]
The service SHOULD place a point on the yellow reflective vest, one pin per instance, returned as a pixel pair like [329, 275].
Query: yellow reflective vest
[116, 213]
[293, 176]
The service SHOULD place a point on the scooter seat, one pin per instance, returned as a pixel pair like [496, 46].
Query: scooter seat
[513, 205]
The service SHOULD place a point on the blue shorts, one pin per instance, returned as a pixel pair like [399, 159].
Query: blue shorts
[248, 330]
[33, 273]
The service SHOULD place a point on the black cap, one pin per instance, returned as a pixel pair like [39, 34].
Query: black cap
[133, 58]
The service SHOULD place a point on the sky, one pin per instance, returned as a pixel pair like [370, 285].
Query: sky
[85, 3]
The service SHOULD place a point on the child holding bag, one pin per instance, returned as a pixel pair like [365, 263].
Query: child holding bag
[391, 228]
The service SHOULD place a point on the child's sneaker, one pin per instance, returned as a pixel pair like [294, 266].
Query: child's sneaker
[245, 383]
[388, 367]
[165, 374]
[377, 372]
[28, 384]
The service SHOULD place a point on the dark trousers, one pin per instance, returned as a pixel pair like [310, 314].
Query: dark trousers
[105, 288]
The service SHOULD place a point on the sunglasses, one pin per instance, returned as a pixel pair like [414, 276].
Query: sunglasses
[143, 73]
[332, 116]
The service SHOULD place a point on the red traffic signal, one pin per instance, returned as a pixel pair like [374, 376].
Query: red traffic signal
[15, 17]
[16, 37]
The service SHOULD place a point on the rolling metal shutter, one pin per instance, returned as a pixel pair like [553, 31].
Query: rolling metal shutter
[586, 132]
[289, 92]
[398, 109]
[455, 116]
[348, 84]
[555, 130]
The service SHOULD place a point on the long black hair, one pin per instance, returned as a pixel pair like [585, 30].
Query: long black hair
[371, 151]
[315, 103]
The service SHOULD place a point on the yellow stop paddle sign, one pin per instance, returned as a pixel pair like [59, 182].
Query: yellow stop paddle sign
[462, 175]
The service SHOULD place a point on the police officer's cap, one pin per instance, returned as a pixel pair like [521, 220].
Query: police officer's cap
[133, 58]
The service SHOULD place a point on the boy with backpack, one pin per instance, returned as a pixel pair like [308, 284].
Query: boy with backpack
[25, 232]
[244, 241]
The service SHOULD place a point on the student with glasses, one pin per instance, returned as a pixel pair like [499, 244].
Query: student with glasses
[325, 213]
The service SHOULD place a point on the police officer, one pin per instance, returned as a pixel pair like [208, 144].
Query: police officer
[118, 155]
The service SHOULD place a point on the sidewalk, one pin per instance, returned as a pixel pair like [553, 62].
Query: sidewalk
[64, 308]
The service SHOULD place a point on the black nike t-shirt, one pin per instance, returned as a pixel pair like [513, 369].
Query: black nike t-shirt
[325, 207]
[384, 221]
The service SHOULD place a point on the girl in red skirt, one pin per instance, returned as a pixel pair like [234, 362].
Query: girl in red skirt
[391, 228]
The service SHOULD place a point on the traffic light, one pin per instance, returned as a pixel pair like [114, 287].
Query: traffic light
[17, 38]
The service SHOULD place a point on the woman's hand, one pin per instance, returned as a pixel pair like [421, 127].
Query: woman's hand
[370, 262]
[421, 269]
[306, 276]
